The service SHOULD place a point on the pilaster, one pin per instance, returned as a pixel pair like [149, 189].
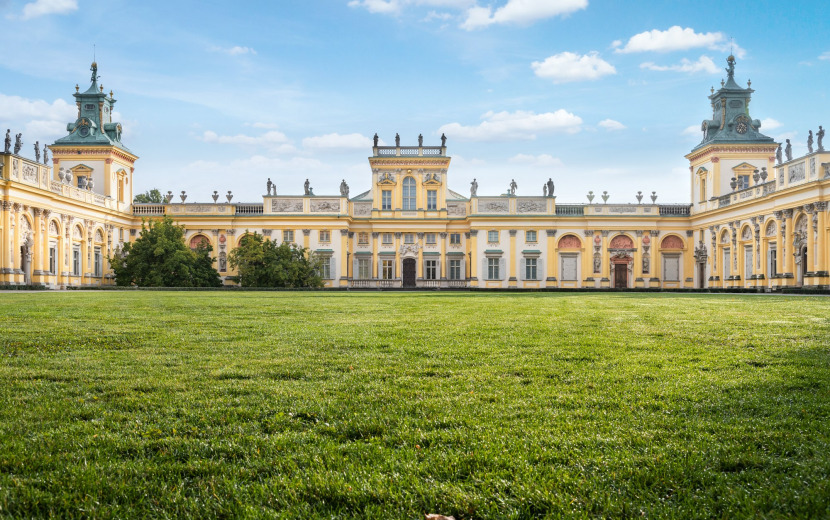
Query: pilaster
[551, 258]
[511, 281]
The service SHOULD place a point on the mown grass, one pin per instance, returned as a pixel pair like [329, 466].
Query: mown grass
[333, 405]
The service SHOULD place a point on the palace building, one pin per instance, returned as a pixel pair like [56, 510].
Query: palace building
[757, 217]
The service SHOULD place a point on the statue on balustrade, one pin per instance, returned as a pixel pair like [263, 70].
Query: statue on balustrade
[398, 140]
[809, 141]
[550, 187]
[473, 188]
[375, 139]
[269, 185]
[788, 151]
[778, 155]
[820, 138]
[18, 143]
[420, 139]
[443, 140]
[307, 187]
[45, 155]
[37, 151]
[513, 187]
[544, 190]
[8, 141]
[344, 188]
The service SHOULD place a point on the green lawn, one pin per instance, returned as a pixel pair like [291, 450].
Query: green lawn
[384, 405]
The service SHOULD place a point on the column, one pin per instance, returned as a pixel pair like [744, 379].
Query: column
[551, 256]
[375, 254]
[587, 258]
[398, 265]
[812, 227]
[5, 238]
[443, 261]
[713, 257]
[419, 274]
[306, 238]
[344, 257]
[656, 260]
[637, 272]
[604, 261]
[789, 259]
[15, 251]
[472, 257]
[37, 245]
[821, 243]
[511, 270]
[689, 260]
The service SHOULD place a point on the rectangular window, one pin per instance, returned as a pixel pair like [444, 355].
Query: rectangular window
[773, 262]
[364, 270]
[530, 236]
[530, 268]
[430, 238]
[432, 199]
[671, 268]
[98, 267]
[747, 262]
[387, 238]
[455, 269]
[386, 200]
[409, 194]
[493, 236]
[727, 263]
[325, 235]
[288, 235]
[493, 268]
[743, 182]
[53, 259]
[325, 267]
[432, 269]
[568, 268]
[76, 261]
[387, 269]
[455, 239]
[702, 189]
[363, 238]
[409, 238]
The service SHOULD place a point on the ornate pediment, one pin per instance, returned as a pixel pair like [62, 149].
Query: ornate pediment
[387, 179]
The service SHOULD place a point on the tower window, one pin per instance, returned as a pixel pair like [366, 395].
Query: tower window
[409, 193]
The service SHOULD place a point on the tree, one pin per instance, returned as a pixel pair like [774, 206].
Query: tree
[153, 196]
[263, 263]
[160, 258]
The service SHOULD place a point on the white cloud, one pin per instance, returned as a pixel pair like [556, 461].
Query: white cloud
[434, 15]
[825, 56]
[519, 125]
[676, 39]
[543, 160]
[274, 141]
[566, 67]
[703, 64]
[520, 12]
[610, 124]
[338, 141]
[236, 50]
[267, 126]
[44, 7]
[378, 6]
[41, 120]
[692, 130]
[770, 124]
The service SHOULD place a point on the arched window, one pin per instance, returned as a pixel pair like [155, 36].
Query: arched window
[409, 193]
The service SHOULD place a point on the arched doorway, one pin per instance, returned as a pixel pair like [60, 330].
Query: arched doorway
[408, 271]
[621, 267]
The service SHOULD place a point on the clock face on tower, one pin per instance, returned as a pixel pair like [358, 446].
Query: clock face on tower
[741, 124]
[741, 128]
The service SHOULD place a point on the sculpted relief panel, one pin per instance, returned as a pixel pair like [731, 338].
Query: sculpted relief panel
[621, 242]
[363, 209]
[569, 242]
[531, 206]
[492, 206]
[672, 242]
[456, 209]
[325, 205]
[287, 205]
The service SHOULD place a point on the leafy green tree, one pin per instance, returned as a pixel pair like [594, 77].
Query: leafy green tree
[153, 196]
[160, 258]
[260, 262]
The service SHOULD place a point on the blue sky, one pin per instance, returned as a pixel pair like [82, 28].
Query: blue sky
[598, 95]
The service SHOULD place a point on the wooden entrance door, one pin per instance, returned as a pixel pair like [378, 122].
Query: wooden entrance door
[701, 274]
[620, 276]
[409, 272]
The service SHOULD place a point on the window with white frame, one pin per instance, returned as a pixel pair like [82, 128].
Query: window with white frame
[76, 261]
[493, 268]
[530, 269]
[386, 200]
[387, 239]
[432, 199]
[53, 258]
[493, 236]
[409, 238]
[325, 235]
[455, 239]
[387, 269]
[98, 266]
[743, 182]
[364, 269]
[772, 260]
[325, 267]
[409, 194]
[430, 238]
[363, 239]
[455, 269]
[530, 236]
[288, 235]
[431, 267]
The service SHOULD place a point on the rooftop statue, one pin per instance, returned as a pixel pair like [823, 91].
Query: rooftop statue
[45, 155]
[473, 188]
[8, 141]
[810, 141]
[550, 187]
[269, 185]
[545, 190]
[443, 140]
[788, 151]
[37, 151]
[344, 188]
[730, 70]
[778, 156]
[307, 187]
[420, 139]
[18, 143]
[398, 140]
[513, 187]
[820, 138]
[375, 139]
